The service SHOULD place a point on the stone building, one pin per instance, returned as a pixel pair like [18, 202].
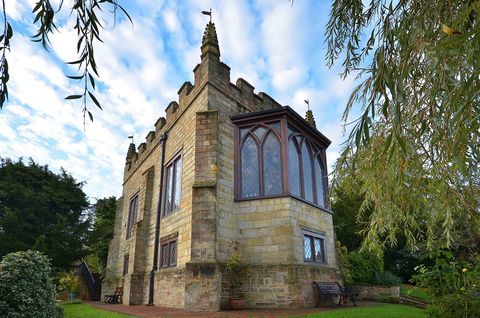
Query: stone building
[227, 171]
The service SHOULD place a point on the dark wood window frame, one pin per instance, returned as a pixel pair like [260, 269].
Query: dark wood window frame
[171, 207]
[169, 252]
[260, 142]
[126, 260]
[287, 117]
[311, 237]
[314, 154]
[132, 214]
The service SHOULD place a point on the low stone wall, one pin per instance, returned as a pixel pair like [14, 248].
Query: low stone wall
[170, 287]
[373, 292]
[276, 285]
[202, 286]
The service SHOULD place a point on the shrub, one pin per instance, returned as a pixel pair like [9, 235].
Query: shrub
[344, 264]
[454, 287]
[363, 265]
[26, 287]
[387, 278]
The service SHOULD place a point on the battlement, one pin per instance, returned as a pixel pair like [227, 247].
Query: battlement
[243, 92]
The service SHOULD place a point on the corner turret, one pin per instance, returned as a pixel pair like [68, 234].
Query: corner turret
[131, 151]
[309, 118]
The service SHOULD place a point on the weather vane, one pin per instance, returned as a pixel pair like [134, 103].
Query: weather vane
[131, 138]
[307, 101]
[209, 13]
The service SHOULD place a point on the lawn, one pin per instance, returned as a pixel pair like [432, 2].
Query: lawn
[413, 291]
[381, 311]
[83, 311]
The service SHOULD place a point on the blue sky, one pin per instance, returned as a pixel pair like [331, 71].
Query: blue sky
[277, 47]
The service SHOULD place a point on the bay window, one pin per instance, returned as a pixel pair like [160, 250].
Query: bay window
[278, 154]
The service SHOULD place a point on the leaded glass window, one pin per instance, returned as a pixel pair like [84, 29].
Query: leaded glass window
[313, 248]
[132, 214]
[173, 189]
[178, 183]
[272, 165]
[319, 182]
[318, 249]
[307, 248]
[278, 157]
[293, 168]
[307, 172]
[169, 253]
[261, 161]
[250, 169]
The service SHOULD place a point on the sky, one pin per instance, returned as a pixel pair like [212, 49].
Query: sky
[277, 47]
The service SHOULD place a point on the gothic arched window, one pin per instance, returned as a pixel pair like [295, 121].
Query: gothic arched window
[261, 161]
[294, 167]
[278, 154]
[305, 169]
[319, 175]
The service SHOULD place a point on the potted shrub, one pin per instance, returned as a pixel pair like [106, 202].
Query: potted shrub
[233, 265]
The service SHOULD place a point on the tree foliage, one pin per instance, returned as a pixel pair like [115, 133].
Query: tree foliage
[414, 151]
[347, 222]
[26, 287]
[102, 230]
[42, 210]
[88, 28]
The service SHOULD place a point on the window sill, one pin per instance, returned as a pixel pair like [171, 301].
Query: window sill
[166, 215]
[322, 264]
[167, 267]
[284, 196]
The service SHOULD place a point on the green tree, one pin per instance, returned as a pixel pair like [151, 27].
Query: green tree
[42, 210]
[102, 230]
[414, 151]
[347, 222]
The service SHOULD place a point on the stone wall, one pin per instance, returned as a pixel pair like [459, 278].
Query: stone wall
[276, 285]
[203, 286]
[170, 287]
[373, 292]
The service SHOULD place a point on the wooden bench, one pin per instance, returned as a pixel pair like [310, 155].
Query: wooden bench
[116, 298]
[333, 288]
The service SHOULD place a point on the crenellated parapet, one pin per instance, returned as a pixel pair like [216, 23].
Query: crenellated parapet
[136, 156]
[244, 93]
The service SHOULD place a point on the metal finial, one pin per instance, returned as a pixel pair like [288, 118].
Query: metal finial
[307, 101]
[131, 138]
[209, 13]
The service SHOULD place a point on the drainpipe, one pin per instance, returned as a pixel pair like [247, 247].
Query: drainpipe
[163, 140]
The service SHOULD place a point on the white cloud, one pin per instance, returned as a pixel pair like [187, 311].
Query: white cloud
[268, 43]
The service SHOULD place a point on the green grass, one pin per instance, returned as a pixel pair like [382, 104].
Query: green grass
[413, 291]
[380, 311]
[83, 311]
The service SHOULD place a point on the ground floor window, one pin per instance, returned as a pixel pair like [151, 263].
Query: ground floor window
[169, 253]
[313, 247]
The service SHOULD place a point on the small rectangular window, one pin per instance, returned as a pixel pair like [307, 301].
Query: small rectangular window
[169, 253]
[125, 265]
[313, 248]
[173, 185]
[132, 214]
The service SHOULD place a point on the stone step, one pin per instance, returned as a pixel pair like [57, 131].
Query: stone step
[417, 302]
